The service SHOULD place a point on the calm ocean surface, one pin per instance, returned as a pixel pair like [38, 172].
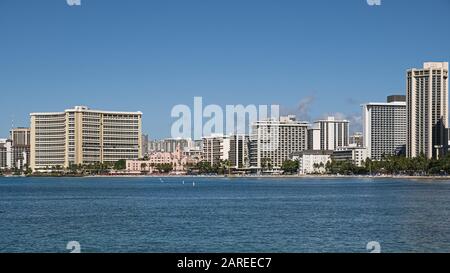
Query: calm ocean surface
[223, 215]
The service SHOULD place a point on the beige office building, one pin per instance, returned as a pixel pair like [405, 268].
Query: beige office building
[427, 110]
[84, 136]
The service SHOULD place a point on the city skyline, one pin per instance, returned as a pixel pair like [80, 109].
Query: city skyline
[339, 117]
[166, 54]
[224, 135]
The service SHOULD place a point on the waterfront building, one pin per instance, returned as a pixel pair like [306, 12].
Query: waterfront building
[84, 136]
[329, 134]
[6, 153]
[427, 110]
[3, 154]
[178, 160]
[354, 154]
[216, 148]
[312, 161]
[384, 127]
[193, 152]
[239, 151]
[273, 141]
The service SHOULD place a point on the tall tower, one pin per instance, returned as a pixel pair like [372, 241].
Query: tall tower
[332, 134]
[384, 125]
[84, 136]
[427, 111]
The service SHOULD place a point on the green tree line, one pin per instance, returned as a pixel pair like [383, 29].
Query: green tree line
[393, 165]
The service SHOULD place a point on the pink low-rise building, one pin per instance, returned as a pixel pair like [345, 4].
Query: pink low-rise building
[178, 161]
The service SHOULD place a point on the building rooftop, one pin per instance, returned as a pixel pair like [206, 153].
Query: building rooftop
[283, 120]
[432, 65]
[435, 65]
[331, 119]
[312, 152]
[86, 109]
[396, 98]
[395, 103]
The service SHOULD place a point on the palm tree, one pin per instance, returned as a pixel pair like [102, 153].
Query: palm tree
[224, 166]
[266, 164]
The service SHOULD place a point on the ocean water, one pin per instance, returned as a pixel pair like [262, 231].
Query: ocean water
[223, 215]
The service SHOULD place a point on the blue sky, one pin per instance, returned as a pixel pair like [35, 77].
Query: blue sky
[311, 57]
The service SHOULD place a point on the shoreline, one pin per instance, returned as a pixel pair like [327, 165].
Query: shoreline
[301, 177]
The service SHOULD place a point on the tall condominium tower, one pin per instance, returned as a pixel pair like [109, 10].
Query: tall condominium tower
[239, 151]
[273, 141]
[20, 147]
[144, 144]
[314, 138]
[384, 125]
[84, 136]
[329, 134]
[216, 148]
[5, 146]
[15, 151]
[427, 111]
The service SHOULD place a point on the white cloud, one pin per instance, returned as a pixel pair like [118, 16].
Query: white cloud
[302, 111]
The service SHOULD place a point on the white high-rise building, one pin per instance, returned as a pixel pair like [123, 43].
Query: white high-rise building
[216, 148]
[4, 153]
[273, 141]
[427, 110]
[384, 126]
[329, 134]
[314, 137]
[84, 136]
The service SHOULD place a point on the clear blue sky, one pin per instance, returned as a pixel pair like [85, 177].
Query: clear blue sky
[327, 56]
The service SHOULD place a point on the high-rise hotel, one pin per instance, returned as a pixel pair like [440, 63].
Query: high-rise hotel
[274, 141]
[427, 111]
[84, 136]
[328, 134]
[216, 148]
[15, 151]
[384, 125]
